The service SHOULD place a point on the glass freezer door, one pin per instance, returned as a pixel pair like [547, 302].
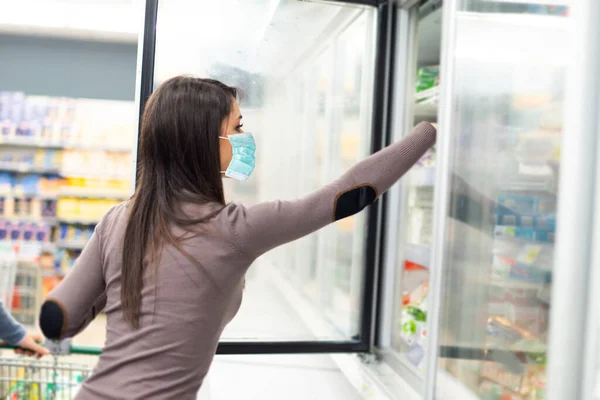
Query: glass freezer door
[502, 113]
[308, 74]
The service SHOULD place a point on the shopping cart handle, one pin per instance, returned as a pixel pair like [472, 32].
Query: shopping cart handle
[80, 350]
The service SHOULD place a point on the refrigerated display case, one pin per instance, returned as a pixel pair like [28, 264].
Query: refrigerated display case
[403, 340]
[475, 265]
[496, 211]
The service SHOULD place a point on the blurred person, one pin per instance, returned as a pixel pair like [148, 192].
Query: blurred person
[168, 265]
[14, 334]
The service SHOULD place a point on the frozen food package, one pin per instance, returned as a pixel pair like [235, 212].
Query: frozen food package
[427, 78]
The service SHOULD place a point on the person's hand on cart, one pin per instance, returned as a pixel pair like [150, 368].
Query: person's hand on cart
[14, 334]
[31, 346]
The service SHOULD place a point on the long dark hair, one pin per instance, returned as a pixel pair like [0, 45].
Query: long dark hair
[178, 161]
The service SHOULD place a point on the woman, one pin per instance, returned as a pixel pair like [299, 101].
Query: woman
[168, 266]
[14, 334]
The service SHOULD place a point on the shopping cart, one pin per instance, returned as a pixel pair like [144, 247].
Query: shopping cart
[25, 378]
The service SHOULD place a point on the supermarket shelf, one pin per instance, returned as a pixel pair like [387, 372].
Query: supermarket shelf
[94, 175]
[418, 254]
[36, 196]
[543, 289]
[19, 218]
[515, 284]
[27, 169]
[27, 142]
[68, 193]
[87, 195]
[77, 221]
[422, 176]
[110, 149]
[72, 244]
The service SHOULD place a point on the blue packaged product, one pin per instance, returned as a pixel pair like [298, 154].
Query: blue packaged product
[546, 222]
[6, 182]
[63, 231]
[16, 231]
[43, 233]
[30, 184]
[526, 204]
[547, 10]
[29, 230]
[530, 234]
[529, 273]
[540, 221]
[4, 228]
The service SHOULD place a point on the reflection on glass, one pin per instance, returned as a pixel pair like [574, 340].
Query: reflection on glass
[305, 70]
[505, 159]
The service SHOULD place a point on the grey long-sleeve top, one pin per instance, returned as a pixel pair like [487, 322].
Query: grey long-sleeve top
[183, 311]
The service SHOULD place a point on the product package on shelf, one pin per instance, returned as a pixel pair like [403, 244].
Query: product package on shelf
[524, 224]
[83, 210]
[428, 81]
[420, 226]
[95, 187]
[30, 160]
[413, 319]
[96, 164]
[64, 260]
[92, 129]
[67, 121]
[562, 11]
[520, 368]
[427, 94]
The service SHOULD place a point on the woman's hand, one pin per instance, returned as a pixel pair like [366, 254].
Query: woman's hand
[30, 346]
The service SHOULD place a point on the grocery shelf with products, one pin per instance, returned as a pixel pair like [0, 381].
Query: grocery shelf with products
[63, 163]
[409, 332]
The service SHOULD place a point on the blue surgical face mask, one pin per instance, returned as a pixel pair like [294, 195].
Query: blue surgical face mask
[242, 160]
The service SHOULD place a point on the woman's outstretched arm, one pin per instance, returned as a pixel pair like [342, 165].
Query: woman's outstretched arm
[267, 225]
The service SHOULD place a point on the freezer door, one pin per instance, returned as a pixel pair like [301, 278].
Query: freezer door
[502, 123]
[307, 74]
